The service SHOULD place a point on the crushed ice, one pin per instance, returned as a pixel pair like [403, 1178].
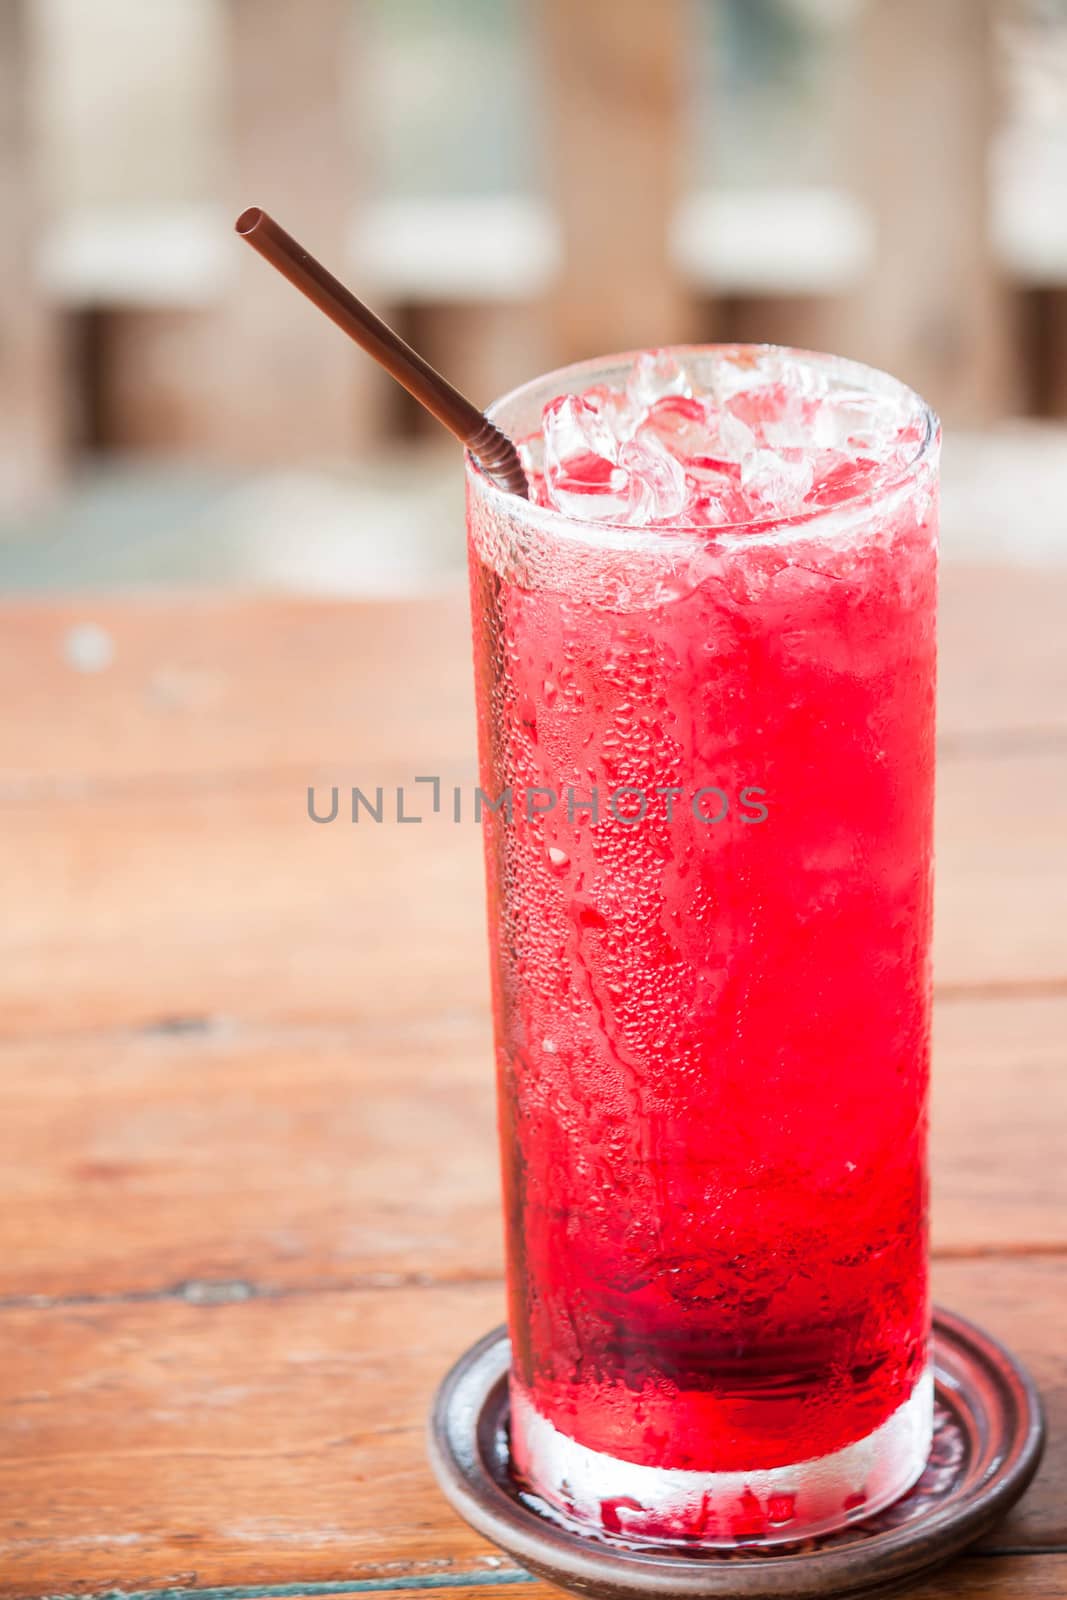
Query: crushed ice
[768, 436]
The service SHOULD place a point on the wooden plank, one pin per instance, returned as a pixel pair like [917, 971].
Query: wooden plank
[269, 1441]
[368, 1154]
[1023, 1301]
[1017, 1577]
[165, 900]
[281, 1440]
[1001, 852]
[1002, 663]
[999, 1125]
[32, 420]
[142, 798]
[213, 683]
[310, 1157]
[612, 80]
[933, 309]
[105, 690]
[158, 898]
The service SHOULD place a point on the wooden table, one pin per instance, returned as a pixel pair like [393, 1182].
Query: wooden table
[249, 1181]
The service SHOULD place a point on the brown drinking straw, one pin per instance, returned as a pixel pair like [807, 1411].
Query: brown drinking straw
[460, 416]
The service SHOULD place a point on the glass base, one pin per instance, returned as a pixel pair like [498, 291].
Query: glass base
[770, 1505]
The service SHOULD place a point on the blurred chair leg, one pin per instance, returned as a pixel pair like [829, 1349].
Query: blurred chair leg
[303, 389]
[1053, 354]
[934, 309]
[804, 321]
[32, 424]
[613, 88]
[486, 348]
[264, 378]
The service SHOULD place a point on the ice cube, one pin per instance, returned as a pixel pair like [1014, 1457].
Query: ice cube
[683, 423]
[578, 441]
[765, 434]
[539, 495]
[531, 452]
[610, 501]
[588, 474]
[627, 496]
[837, 475]
[615, 408]
[650, 463]
[731, 374]
[848, 420]
[761, 403]
[776, 481]
[582, 474]
[714, 496]
[641, 501]
[655, 375]
[708, 511]
[736, 438]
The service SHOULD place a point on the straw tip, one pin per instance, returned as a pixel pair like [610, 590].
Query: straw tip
[248, 220]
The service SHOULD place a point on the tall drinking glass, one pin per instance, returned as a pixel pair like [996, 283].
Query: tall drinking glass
[707, 761]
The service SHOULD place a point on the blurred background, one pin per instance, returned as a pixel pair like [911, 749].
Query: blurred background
[513, 184]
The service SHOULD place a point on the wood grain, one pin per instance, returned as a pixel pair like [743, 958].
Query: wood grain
[140, 1160]
[246, 1124]
[1022, 1300]
[281, 1439]
[346, 915]
[209, 686]
[273, 1441]
[1001, 862]
[212, 685]
[999, 1125]
[970, 1579]
[160, 901]
[1002, 665]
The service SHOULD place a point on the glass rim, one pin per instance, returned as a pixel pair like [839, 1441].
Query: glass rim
[622, 535]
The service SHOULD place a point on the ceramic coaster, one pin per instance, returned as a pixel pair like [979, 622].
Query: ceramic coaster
[988, 1437]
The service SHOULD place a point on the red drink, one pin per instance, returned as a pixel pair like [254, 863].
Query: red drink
[712, 999]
